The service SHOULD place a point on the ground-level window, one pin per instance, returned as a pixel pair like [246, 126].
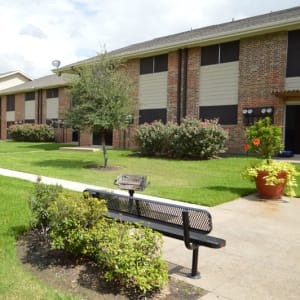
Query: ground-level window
[151, 115]
[227, 114]
[29, 121]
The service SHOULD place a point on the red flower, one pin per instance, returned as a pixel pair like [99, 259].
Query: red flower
[246, 147]
[256, 142]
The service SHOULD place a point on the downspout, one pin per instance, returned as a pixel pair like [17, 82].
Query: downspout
[179, 86]
[185, 75]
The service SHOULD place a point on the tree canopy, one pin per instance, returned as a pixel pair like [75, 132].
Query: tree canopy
[101, 97]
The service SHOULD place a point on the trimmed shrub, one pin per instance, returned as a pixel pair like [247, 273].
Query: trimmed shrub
[197, 139]
[73, 219]
[31, 133]
[192, 139]
[132, 255]
[129, 255]
[154, 138]
[43, 196]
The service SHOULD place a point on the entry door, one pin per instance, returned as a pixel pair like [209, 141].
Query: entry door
[108, 138]
[292, 128]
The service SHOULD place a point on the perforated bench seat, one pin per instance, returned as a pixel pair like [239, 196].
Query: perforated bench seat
[190, 224]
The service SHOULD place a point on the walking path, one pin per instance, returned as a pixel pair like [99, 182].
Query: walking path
[261, 259]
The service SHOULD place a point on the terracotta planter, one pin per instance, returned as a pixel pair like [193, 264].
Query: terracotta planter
[269, 191]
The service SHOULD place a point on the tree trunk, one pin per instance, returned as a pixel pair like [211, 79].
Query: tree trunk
[104, 149]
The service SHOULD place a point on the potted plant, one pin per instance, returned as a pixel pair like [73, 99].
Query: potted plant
[272, 177]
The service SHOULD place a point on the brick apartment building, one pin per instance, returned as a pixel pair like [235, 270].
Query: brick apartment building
[238, 72]
[41, 101]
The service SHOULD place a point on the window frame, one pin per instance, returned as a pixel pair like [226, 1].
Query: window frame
[293, 50]
[52, 93]
[227, 114]
[220, 53]
[10, 103]
[28, 96]
[154, 64]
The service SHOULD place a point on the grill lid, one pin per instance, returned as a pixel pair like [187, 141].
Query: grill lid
[131, 182]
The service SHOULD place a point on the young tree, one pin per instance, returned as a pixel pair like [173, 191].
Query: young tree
[101, 97]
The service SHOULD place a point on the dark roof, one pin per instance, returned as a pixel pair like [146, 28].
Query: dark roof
[270, 22]
[49, 81]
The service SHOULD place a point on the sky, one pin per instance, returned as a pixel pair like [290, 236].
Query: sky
[35, 33]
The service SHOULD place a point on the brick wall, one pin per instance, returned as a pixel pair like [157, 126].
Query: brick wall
[3, 118]
[193, 82]
[85, 138]
[125, 138]
[172, 86]
[262, 66]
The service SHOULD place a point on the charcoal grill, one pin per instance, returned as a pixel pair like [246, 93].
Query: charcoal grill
[131, 183]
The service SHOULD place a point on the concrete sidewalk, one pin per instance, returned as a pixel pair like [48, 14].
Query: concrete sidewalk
[260, 261]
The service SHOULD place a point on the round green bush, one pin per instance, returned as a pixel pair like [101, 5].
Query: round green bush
[31, 133]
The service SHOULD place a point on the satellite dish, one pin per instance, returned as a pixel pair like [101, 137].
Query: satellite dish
[56, 63]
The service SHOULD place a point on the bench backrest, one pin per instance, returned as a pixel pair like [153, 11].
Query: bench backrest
[158, 211]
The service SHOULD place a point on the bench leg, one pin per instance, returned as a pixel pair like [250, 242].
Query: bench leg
[195, 274]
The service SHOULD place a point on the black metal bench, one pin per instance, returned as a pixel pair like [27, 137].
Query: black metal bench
[189, 224]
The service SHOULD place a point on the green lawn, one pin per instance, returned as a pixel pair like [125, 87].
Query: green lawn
[202, 182]
[15, 282]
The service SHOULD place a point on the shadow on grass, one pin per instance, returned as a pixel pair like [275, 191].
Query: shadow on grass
[65, 163]
[241, 191]
[45, 146]
[16, 231]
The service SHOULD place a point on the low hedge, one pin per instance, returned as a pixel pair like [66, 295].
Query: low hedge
[130, 256]
[31, 133]
[191, 139]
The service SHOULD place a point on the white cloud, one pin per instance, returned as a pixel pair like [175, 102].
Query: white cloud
[34, 33]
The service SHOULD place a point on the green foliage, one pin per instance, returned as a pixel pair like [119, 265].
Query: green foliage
[197, 139]
[16, 282]
[273, 168]
[72, 217]
[132, 256]
[39, 203]
[31, 133]
[154, 139]
[102, 97]
[264, 138]
[192, 139]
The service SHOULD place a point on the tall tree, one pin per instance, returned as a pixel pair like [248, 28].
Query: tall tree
[101, 97]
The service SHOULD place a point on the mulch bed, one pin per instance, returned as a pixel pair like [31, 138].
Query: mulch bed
[82, 277]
